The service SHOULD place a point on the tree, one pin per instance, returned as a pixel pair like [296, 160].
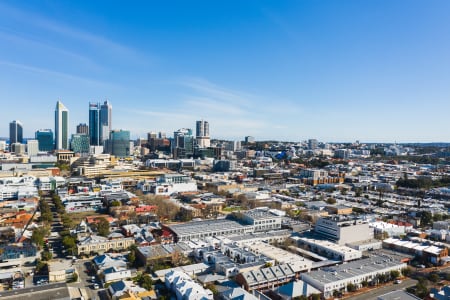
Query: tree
[103, 227]
[132, 257]
[315, 297]
[146, 282]
[115, 203]
[69, 243]
[331, 200]
[74, 277]
[406, 271]
[38, 235]
[434, 277]
[351, 287]
[395, 274]
[46, 255]
[425, 218]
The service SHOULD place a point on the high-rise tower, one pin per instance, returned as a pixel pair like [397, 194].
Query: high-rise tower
[202, 134]
[99, 122]
[45, 139]
[61, 127]
[94, 124]
[105, 121]
[15, 132]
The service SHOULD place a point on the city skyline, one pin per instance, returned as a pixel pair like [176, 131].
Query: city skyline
[289, 71]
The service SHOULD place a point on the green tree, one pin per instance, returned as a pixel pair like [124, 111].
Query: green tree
[146, 282]
[406, 271]
[434, 277]
[46, 255]
[115, 203]
[103, 227]
[315, 297]
[351, 287]
[395, 274]
[331, 200]
[38, 236]
[132, 257]
[425, 218]
[69, 243]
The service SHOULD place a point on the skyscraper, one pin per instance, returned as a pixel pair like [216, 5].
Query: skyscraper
[183, 143]
[79, 143]
[61, 127]
[82, 128]
[45, 139]
[99, 122]
[15, 132]
[105, 121]
[94, 124]
[32, 147]
[119, 143]
[202, 134]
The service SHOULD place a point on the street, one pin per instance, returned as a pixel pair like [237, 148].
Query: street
[84, 279]
[373, 294]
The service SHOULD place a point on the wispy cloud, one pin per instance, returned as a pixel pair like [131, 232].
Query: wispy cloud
[97, 42]
[213, 91]
[213, 106]
[32, 43]
[52, 73]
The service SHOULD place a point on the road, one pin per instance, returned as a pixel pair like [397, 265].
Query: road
[375, 293]
[85, 279]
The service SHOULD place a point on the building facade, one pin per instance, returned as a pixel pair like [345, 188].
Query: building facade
[79, 143]
[61, 127]
[32, 147]
[45, 139]
[202, 134]
[15, 132]
[119, 144]
[82, 128]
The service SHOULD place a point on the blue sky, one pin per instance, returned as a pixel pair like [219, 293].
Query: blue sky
[287, 70]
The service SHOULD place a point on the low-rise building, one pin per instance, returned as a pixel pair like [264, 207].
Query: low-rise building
[99, 244]
[296, 262]
[266, 278]
[343, 229]
[185, 288]
[426, 250]
[328, 249]
[336, 278]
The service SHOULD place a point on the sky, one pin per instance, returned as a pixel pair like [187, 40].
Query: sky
[373, 71]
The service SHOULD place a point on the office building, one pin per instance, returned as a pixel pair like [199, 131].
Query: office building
[336, 278]
[32, 147]
[183, 143]
[15, 132]
[312, 144]
[202, 134]
[79, 143]
[105, 121]
[99, 123]
[119, 144]
[94, 124]
[2, 145]
[61, 127]
[343, 229]
[249, 139]
[45, 139]
[82, 128]
[17, 148]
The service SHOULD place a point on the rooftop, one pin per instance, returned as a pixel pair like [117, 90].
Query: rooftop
[355, 268]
